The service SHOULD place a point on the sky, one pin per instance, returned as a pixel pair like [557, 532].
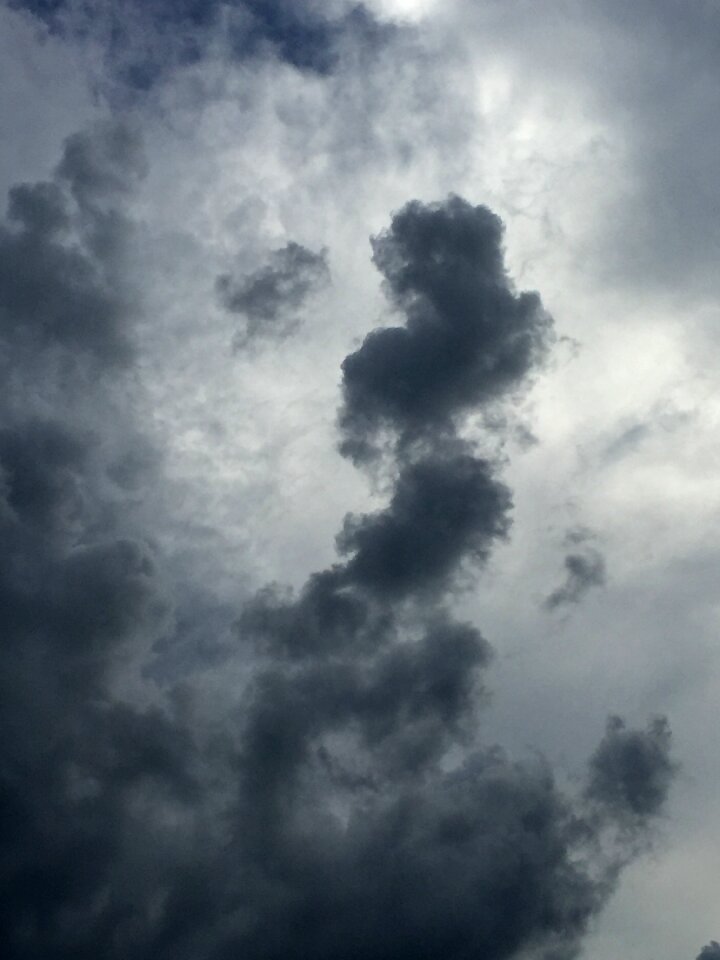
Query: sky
[358, 498]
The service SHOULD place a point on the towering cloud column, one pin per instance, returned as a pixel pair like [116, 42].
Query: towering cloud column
[377, 822]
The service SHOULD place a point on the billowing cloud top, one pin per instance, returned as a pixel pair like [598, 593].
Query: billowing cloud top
[468, 338]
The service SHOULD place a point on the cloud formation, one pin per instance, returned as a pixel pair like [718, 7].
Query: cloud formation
[583, 571]
[345, 804]
[270, 297]
[710, 952]
[469, 339]
[372, 685]
[143, 42]
[631, 769]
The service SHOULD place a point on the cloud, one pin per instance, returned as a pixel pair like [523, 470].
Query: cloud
[631, 770]
[710, 952]
[468, 339]
[442, 509]
[338, 801]
[271, 296]
[58, 283]
[584, 571]
[75, 590]
[144, 42]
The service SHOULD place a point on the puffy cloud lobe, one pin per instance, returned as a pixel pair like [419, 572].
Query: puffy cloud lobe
[58, 287]
[710, 952]
[584, 571]
[326, 616]
[304, 36]
[406, 701]
[477, 862]
[41, 467]
[441, 511]
[468, 339]
[271, 297]
[74, 764]
[631, 770]
[363, 843]
[79, 771]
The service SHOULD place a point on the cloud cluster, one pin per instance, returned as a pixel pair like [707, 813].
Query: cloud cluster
[345, 805]
[143, 42]
[59, 253]
[379, 823]
[270, 297]
[468, 338]
[710, 952]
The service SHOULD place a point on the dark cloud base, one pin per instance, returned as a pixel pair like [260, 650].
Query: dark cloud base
[145, 40]
[344, 806]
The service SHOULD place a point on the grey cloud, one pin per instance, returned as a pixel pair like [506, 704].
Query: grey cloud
[326, 616]
[584, 570]
[41, 467]
[631, 770]
[442, 509]
[409, 695]
[369, 685]
[487, 860]
[663, 418]
[103, 162]
[710, 952]
[57, 286]
[76, 589]
[343, 805]
[271, 297]
[39, 207]
[469, 338]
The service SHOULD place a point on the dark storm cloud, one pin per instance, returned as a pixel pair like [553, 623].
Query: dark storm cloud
[75, 592]
[468, 339]
[363, 843]
[405, 704]
[304, 35]
[442, 509]
[326, 616]
[631, 770]
[342, 806]
[584, 570]
[710, 952]
[487, 860]
[57, 277]
[271, 296]
[144, 41]
[103, 163]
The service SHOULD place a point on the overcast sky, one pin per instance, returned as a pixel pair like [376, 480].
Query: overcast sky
[358, 479]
